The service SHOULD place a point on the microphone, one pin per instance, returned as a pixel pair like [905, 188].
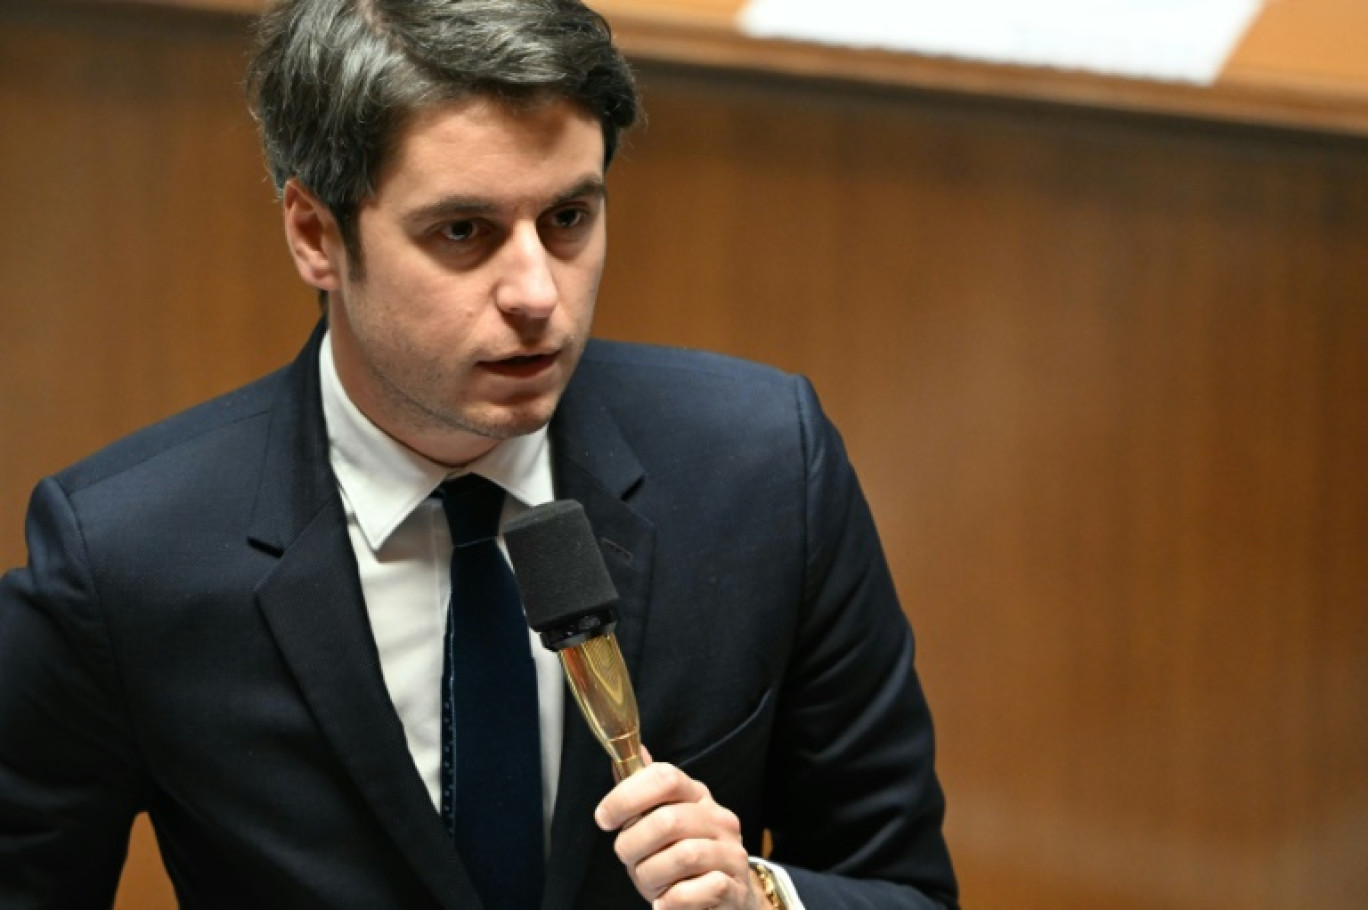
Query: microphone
[571, 603]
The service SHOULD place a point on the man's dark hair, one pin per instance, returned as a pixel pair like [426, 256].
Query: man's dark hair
[334, 81]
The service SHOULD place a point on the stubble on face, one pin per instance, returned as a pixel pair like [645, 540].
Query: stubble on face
[477, 299]
[422, 416]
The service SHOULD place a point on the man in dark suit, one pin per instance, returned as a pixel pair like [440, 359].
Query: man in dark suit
[233, 620]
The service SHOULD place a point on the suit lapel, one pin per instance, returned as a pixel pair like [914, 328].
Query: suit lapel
[594, 464]
[313, 604]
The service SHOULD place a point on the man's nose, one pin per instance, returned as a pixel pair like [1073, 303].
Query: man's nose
[526, 285]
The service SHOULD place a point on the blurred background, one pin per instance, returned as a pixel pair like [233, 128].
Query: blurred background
[1098, 346]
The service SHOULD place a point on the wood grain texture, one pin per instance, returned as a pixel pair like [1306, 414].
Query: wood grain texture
[1102, 375]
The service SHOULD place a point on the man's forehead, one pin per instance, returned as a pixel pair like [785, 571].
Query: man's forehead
[488, 152]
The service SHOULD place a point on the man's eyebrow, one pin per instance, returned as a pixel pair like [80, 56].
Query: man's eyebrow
[469, 206]
[589, 186]
[450, 208]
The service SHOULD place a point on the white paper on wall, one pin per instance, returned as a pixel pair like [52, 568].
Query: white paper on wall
[1170, 40]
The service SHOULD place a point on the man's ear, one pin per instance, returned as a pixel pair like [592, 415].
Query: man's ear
[314, 238]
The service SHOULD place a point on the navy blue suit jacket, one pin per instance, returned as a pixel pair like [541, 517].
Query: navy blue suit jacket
[189, 639]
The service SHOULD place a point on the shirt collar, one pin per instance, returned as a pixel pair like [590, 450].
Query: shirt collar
[383, 481]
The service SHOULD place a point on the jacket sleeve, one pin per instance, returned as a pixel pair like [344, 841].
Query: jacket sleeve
[69, 785]
[853, 804]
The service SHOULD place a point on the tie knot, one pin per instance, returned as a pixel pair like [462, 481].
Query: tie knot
[472, 505]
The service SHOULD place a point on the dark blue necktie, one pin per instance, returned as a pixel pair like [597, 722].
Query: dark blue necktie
[491, 741]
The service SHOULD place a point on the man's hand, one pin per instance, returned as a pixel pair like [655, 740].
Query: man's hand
[682, 850]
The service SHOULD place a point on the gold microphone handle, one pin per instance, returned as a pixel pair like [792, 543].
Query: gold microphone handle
[603, 690]
[626, 767]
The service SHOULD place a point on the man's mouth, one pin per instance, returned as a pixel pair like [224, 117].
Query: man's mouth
[522, 366]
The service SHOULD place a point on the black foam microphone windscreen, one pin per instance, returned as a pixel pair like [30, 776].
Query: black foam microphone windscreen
[566, 590]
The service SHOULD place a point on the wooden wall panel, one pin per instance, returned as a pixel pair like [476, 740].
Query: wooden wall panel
[1103, 377]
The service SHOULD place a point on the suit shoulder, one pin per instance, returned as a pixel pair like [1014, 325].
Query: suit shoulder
[171, 434]
[659, 364]
[710, 399]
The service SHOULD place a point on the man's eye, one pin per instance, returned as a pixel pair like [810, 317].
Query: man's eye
[460, 231]
[569, 218]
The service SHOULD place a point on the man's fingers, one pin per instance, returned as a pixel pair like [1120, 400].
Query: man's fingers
[713, 891]
[682, 824]
[682, 850]
[656, 785]
[685, 867]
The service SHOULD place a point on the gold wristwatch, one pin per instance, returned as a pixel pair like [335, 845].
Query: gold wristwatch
[773, 891]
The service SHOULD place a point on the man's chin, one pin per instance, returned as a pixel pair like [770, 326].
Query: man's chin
[509, 422]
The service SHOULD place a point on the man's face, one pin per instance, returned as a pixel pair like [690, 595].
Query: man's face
[483, 246]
